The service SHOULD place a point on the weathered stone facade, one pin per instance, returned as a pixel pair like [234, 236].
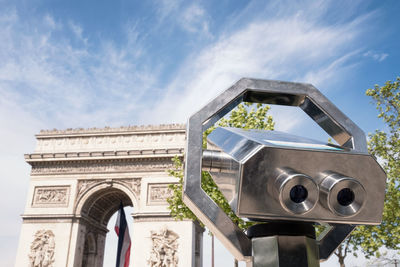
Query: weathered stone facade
[79, 177]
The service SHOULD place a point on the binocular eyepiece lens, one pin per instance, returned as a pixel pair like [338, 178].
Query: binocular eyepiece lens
[298, 193]
[345, 196]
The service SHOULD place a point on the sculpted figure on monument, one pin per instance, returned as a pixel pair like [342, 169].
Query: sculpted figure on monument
[158, 194]
[136, 183]
[164, 252]
[42, 249]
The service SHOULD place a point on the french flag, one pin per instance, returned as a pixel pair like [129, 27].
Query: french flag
[124, 240]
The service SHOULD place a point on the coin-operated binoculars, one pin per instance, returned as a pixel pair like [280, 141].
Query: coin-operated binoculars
[285, 182]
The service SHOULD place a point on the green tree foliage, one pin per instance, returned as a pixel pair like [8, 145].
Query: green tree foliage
[385, 146]
[245, 116]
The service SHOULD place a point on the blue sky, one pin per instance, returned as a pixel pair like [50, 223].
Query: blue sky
[70, 64]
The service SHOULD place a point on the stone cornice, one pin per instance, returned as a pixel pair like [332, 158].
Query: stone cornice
[48, 216]
[111, 130]
[103, 155]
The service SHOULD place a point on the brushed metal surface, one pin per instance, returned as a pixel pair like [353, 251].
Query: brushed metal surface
[285, 251]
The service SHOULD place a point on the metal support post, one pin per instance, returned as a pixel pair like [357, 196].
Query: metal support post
[283, 244]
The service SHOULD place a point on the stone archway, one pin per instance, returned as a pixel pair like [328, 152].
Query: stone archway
[95, 208]
[78, 178]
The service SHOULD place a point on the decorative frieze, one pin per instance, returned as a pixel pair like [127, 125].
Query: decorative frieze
[134, 137]
[99, 166]
[157, 194]
[110, 130]
[93, 143]
[164, 251]
[50, 196]
[42, 249]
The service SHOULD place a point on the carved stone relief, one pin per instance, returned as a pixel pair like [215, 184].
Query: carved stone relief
[134, 184]
[50, 196]
[164, 251]
[84, 185]
[43, 168]
[42, 249]
[157, 194]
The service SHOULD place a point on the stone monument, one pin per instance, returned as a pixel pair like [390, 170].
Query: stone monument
[79, 177]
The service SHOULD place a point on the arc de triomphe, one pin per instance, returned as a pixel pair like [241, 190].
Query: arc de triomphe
[78, 179]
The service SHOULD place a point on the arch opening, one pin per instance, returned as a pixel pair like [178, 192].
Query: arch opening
[95, 214]
[103, 204]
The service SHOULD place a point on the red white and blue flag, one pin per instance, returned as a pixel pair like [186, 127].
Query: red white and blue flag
[124, 240]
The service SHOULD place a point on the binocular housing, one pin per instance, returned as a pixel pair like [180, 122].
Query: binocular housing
[270, 175]
[274, 177]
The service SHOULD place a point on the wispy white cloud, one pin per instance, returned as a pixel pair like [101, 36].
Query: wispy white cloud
[189, 17]
[77, 31]
[194, 19]
[327, 72]
[49, 21]
[294, 48]
[376, 56]
[166, 7]
[68, 83]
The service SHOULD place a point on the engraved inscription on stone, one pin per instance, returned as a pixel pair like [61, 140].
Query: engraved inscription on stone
[51, 195]
[157, 194]
[164, 251]
[42, 249]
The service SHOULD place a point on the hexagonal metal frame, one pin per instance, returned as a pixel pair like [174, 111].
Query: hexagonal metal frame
[345, 132]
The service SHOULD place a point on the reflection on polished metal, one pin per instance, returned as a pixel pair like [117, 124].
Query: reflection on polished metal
[343, 195]
[285, 251]
[271, 176]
